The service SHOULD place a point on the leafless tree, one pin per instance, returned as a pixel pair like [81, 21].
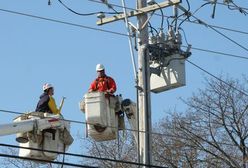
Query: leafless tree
[212, 132]
[123, 149]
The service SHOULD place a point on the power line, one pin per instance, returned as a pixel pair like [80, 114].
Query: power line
[126, 129]
[79, 122]
[85, 14]
[217, 31]
[79, 155]
[40, 160]
[217, 52]
[218, 27]
[202, 23]
[217, 78]
[158, 134]
[228, 5]
[117, 33]
[63, 22]
[228, 38]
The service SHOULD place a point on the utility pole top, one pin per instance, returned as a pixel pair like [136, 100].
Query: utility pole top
[138, 12]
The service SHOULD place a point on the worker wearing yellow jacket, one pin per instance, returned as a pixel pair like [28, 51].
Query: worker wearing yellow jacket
[47, 102]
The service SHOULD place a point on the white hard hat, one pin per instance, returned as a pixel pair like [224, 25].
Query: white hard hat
[99, 67]
[47, 86]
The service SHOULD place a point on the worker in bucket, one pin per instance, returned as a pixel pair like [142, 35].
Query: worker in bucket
[47, 102]
[103, 83]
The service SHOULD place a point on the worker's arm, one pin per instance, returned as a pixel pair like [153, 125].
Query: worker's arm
[112, 85]
[92, 86]
[53, 107]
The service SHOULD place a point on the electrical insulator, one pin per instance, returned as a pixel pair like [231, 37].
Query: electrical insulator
[178, 38]
[152, 40]
[161, 37]
[171, 34]
[151, 2]
[100, 15]
[227, 1]
[188, 48]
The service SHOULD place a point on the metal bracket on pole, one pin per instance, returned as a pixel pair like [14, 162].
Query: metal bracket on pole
[138, 12]
[148, 19]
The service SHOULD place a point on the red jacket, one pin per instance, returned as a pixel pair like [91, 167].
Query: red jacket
[103, 84]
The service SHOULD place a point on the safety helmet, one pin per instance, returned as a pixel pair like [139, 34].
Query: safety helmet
[47, 86]
[99, 67]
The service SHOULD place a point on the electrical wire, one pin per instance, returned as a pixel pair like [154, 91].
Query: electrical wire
[162, 13]
[236, 7]
[108, 5]
[126, 129]
[77, 122]
[70, 164]
[117, 33]
[207, 3]
[217, 31]
[63, 22]
[152, 28]
[79, 155]
[222, 34]
[156, 134]
[217, 52]
[218, 27]
[184, 35]
[203, 23]
[85, 14]
[232, 7]
[243, 92]
[187, 13]
[107, 31]
[40, 160]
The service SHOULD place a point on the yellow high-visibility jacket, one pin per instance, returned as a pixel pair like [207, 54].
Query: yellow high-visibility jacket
[52, 105]
[47, 104]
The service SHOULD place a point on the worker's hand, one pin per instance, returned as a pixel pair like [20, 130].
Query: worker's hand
[108, 91]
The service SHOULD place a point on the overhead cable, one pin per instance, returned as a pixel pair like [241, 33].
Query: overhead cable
[217, 52]
[243, 92]
[217, 31]
[122, 34]
[232, 7]
[85, 14]
[108, 5]
[80, 155]
[40, 160]
[218, 27]
[126, 129]
[62, 22]
[77, 122]
[117, 33]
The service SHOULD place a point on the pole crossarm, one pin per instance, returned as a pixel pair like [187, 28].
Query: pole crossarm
[138, 12]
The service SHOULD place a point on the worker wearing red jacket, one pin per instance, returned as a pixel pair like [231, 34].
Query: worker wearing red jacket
[102, 83]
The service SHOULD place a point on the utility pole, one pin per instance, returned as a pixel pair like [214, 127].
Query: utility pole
[144, 96]
[144, 91]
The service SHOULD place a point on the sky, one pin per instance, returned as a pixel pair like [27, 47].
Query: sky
[36, 51]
